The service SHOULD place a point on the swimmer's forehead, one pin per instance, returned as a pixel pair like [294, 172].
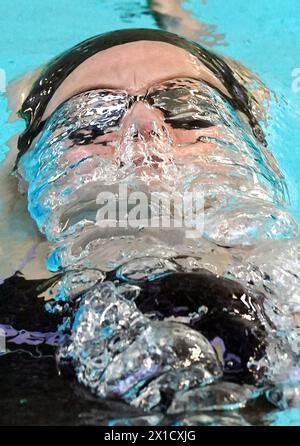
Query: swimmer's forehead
[134, 67]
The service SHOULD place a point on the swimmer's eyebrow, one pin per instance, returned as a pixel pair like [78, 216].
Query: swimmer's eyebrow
[150, 90]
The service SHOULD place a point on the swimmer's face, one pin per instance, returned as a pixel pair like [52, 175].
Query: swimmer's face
[146, 113]
[147, 93]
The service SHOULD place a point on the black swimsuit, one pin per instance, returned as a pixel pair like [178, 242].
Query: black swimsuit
[233, 319]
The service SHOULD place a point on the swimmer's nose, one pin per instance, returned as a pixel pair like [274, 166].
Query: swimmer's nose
[145, 121]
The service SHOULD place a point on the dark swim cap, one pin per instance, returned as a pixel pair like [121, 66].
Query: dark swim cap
[59, 68]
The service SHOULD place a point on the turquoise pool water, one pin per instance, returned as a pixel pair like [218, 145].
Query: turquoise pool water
[261, 34]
